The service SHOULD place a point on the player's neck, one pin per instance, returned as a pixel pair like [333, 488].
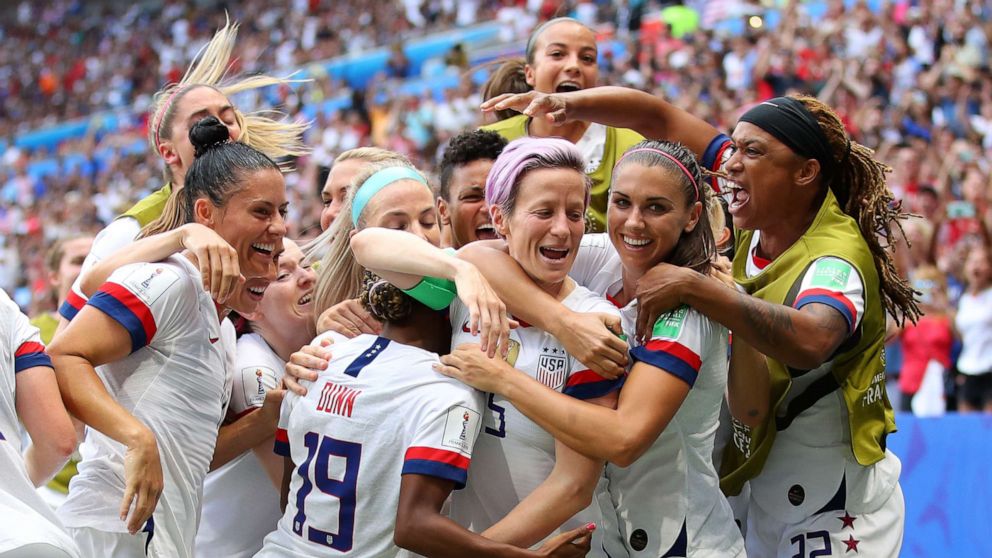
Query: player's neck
[424, 329]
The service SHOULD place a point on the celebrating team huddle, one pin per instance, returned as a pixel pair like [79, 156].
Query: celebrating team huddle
[549, 354]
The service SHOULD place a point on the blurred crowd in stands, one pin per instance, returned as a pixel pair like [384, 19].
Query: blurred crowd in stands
[911, 79]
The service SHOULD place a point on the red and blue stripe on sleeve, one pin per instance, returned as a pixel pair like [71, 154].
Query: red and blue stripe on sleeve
[444, 464]
[72, 305]
[281, 447]
[833, 299]
[128, 310]
[672, 357]
[714, 155]
[29, 355]
[587, 384]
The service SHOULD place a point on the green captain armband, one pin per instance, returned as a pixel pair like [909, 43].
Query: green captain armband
[433, 293]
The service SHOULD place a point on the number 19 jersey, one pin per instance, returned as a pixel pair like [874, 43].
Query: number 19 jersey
[379, 411]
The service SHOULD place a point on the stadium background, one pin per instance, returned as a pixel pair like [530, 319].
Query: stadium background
[910, 78]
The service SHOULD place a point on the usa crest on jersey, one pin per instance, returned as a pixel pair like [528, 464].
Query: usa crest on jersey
[552, 368]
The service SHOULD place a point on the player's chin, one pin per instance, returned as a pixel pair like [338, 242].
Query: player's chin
[245, 302]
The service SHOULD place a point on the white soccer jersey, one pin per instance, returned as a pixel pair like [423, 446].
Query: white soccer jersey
[668, 503]
[176, 382]
[226, 529]
[118, 234]
[26, 517]
[377, 412]
[514, 455]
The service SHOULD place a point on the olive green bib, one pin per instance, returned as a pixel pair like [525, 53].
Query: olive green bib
[857, 368]
[151, 207]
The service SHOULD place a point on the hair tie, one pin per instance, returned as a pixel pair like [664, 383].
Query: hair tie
[163, 110]
[378, 181]
[670, 157]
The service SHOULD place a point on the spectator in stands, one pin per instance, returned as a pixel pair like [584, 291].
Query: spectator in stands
[974, 325]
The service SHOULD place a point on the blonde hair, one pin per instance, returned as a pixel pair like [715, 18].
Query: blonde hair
[272, 137]
[340, 276]
[315, 248]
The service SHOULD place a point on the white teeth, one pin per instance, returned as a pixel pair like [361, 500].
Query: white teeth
[485, 228]
[305, 299]
[635, 241]
[257, 290]
[264, 247]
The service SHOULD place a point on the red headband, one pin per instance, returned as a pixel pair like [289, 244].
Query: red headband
[670, 157]
[163, 110]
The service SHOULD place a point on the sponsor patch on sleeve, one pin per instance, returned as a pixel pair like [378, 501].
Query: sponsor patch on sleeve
[460, 429]
[669, 326]
[149, 282]
[831, 273]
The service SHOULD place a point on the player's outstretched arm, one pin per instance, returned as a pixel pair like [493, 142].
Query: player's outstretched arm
[620, 107]
[748, 384]
[565, 492]
[40, 409]
[422, 529]
[404, 260]
[74, 354]
[648, 401]
[590, 338]
[217, 260]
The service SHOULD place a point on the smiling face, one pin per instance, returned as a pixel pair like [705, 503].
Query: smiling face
[253, 223]
[404, 205]
[336, 189]
[466, 213]
[544, 230]
[565, 56]
[647, 215]
[762, 170]
[287, 305]
[194, 105]
[978, 268]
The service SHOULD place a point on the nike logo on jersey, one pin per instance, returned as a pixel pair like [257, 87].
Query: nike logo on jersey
[213, 339]
[465, 328]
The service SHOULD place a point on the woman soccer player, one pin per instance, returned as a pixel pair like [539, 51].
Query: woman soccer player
[165, 362]
[562, 56]
[661, 494]
[202, 92]
[816, 216]
[29, 395]
[538, 194]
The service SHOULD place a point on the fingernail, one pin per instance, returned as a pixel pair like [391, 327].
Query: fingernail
[590, 526]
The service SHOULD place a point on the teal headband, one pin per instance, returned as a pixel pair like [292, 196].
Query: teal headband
[377, 182]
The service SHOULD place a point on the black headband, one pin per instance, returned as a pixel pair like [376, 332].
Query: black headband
[794, 125]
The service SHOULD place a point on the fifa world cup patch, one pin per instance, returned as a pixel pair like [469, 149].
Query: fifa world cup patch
[461, 426]
[831, 273]
[149, 282]
[253, 384]
[669, 325]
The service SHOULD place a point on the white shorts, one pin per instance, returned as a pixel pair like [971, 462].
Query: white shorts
[877, 534]
[93, 542]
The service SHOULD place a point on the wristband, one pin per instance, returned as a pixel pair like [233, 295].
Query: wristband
[433, 293]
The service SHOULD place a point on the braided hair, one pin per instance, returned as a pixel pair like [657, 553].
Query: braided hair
[858, 183]
[384, 300]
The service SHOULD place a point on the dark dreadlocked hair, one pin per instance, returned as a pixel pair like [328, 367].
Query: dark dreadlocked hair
[384, 300]
[858, 183]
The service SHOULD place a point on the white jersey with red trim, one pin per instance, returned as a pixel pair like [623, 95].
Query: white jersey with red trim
[225, 528]
[118, 234]
[514, 455]
[668, 502]
[379, 411]
[176, 381]
[27, 519]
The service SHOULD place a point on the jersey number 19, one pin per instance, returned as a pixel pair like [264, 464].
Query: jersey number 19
[319, 451]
